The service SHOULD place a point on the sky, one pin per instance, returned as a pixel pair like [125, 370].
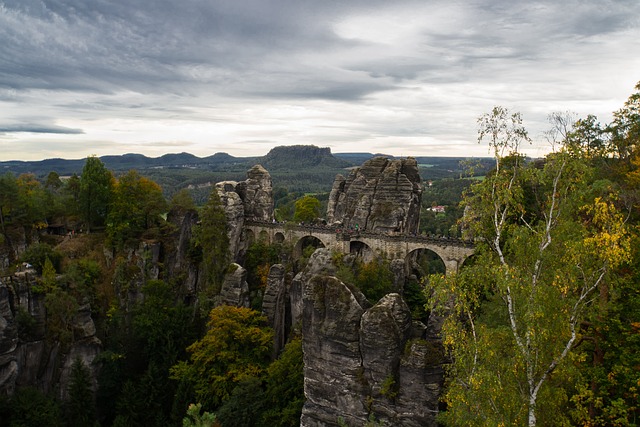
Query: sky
[402, 77]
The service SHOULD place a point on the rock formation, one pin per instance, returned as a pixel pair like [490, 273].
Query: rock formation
[257, 194]
[235, 289]
[249, 200]
[363, 362]
[382, 196]
[234, 211]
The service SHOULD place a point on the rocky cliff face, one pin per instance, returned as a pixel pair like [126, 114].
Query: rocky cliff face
[29, 359]
[382, 195]
[177, 262]
[26, 358]
[16, 240]
[276, 306]
[363, 362]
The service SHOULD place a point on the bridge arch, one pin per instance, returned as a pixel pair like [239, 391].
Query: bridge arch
[305, 242]
[278, 237]
[362, 250]
[468, 261]
[249, 236]
[422, 262]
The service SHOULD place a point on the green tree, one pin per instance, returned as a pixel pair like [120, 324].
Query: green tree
[68, 196]
[245, 405]
[307, 209]
[81, 277]
[273, 400]
[163, 324]
[23, 203]
[515, 316]
[607, 391]
[236, 347]
[53, 181]
[136, 206]
[110, 380]
[195, 419]
[8, 202]
[32, 202]
[258, 260]
[587, 139]
[80, 407]
[625, 129]
[49, 279]
[182, 201]
[374, 279]
[143, 343]
[284, 393]
[61, 310]
[131, 407]
[29, 407]
[72, 187]
[94, 196]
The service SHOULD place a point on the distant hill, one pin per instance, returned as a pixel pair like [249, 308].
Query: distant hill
[299, 168]
[123, 162]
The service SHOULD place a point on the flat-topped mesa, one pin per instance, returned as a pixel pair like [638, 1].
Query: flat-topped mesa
[382, 195]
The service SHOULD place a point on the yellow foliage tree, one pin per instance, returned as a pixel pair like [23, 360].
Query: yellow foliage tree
[236, 347]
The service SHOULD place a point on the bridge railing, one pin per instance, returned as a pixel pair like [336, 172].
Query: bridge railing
[350, 234]
[290, 226]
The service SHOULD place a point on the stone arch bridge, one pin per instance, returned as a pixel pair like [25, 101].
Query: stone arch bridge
[453, 252]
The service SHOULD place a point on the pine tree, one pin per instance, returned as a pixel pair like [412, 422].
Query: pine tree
[80, 408]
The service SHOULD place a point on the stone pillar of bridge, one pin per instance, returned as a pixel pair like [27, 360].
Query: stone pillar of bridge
[451, 266]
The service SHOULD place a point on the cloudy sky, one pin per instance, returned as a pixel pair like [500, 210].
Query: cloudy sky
[403, 77]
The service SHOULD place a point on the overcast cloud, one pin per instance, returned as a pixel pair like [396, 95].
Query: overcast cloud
[406, 77]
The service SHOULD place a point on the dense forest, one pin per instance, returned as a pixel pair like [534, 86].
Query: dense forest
[542, 325]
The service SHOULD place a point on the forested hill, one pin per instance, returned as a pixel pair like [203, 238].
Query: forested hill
[125, 162]
[298, 168]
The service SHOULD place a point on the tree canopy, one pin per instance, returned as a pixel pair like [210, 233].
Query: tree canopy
[307, 209]
[96, 186]
[136, 206]
[237, 346]
[549, 237]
